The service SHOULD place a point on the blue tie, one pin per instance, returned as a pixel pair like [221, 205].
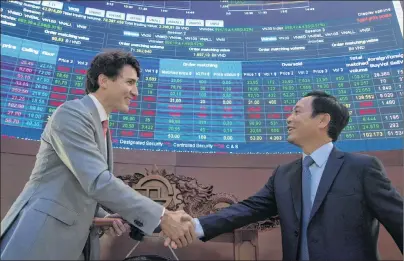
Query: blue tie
[307, 204]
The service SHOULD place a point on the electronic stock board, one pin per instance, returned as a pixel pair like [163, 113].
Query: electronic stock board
[217, 76]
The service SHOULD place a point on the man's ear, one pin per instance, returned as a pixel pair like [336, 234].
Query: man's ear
[325, 119]
[102, 81]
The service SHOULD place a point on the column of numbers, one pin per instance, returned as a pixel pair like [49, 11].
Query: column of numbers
[394, 120]
[34, 97]
[19, 96]
[398, 76]
[367, 111]
[60, 86]
[10, 114]
[387, 100]
[343, 93]
[289, 96]
[41, 87]
[275, 122]
[38, 75]
[322, 80]
[147, 120]
[175, 105]
[255, 129]
[77, 82]
[203, 109]
[304, 83]
[229, 107]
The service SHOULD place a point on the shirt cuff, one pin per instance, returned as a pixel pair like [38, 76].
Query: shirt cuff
[198, 228]
[162, 214]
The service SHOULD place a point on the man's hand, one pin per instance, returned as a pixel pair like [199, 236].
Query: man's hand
[179, 227]
[169, 242]
[119, 227]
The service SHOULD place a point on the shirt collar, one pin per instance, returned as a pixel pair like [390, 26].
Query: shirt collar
[321, 154]
[100, 108]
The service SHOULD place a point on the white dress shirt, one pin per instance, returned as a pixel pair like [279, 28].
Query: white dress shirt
[101, 112]
[100, 108]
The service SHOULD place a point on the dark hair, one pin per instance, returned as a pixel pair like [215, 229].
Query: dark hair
[339, 114]
[110, 64]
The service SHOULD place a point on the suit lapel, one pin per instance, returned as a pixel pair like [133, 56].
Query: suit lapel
[331, 170]
[296, 186]
[98, 126]
[110, 152]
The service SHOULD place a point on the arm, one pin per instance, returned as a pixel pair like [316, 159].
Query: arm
[383, 200]
[256, 208]
[72, 137]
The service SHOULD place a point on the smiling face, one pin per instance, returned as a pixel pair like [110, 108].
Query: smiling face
[118, 93]
[303, 129]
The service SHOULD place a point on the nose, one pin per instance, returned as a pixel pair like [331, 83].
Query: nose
[134, 92]
[289, 119]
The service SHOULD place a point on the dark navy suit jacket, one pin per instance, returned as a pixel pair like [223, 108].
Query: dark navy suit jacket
[353, 196]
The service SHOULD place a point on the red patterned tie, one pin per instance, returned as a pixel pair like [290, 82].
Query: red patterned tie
[105, 127]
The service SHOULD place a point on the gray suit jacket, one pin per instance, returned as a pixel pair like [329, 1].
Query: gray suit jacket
[52, 217]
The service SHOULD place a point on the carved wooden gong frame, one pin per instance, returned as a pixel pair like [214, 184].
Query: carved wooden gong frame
[176, 192]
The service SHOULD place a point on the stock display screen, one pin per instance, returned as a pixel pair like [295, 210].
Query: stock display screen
[217, 76]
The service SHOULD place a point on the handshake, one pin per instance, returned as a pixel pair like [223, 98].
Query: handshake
[178, 227]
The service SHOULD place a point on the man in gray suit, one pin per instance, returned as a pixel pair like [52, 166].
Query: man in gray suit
[73, 175]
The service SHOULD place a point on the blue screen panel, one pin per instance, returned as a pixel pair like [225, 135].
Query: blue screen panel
[217, 76]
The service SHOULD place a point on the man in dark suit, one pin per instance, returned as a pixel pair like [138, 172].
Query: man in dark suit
[330, 202]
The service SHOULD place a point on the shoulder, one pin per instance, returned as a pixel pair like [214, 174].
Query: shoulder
[362, 165]
[76, 106]
[287, 168]
[70, 113]
[360, 159]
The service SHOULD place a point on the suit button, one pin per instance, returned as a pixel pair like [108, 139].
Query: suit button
[314, 241]
[296, 233]
[138, 223]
